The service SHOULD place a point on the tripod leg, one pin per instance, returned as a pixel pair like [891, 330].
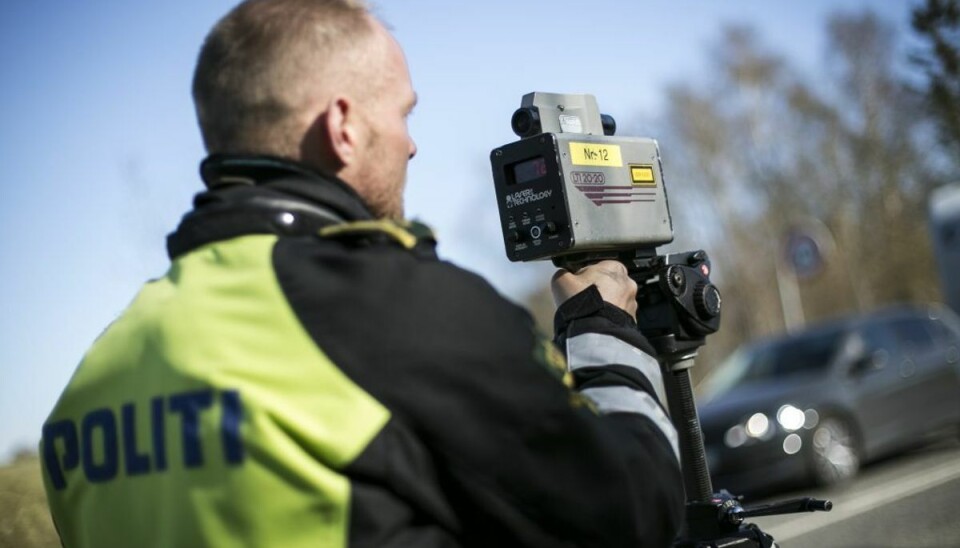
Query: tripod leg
[683, 413]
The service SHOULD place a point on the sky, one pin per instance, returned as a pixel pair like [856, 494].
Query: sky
[99, 146]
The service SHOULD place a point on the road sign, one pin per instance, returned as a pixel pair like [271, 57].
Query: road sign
[804, 254]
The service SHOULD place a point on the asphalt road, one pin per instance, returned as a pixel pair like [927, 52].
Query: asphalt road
[908, 501]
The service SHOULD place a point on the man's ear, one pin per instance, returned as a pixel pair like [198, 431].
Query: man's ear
[340, 123]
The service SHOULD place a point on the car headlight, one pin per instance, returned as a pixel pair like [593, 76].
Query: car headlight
[812, 418]
[735, 436]
[758, 425]
[791, 418]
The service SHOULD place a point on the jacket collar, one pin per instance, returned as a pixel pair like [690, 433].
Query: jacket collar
[220, 171]
[263, 195]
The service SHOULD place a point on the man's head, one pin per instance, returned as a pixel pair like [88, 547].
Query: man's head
[317, 81]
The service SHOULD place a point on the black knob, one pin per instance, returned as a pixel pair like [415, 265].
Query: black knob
[706, 297]
[551, 227]
[513, 236]
[676, 280]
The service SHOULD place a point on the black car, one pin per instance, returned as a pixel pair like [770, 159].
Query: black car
[814, 406]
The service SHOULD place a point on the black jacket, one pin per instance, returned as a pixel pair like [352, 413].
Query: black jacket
[485, 441]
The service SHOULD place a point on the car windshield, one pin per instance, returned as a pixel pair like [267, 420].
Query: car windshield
[794, 356]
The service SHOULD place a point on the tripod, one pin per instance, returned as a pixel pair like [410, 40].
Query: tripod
[677, 307]
[713, 519]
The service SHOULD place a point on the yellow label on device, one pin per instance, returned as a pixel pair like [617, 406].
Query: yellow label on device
[592, 154]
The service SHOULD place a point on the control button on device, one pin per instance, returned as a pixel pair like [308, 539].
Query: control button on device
[642, 175]
[536, 232]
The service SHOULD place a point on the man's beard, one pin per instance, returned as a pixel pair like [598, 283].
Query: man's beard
[384, 198]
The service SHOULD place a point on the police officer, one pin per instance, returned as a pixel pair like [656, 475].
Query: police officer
[308, 373]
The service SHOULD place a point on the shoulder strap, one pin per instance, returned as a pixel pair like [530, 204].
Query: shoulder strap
[410, 235]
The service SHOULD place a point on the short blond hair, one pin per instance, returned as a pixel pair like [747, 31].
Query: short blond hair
[258, 64]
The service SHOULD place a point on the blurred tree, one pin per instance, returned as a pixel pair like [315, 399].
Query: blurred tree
[763, 149]
[24, 517]
[937, 22]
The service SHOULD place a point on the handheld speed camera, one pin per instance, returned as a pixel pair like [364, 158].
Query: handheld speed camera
[570, 191]
[568, 188]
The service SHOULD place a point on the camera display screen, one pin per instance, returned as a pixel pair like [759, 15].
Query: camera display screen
[528, 170]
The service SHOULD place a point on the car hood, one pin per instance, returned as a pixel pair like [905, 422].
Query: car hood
[741, 401]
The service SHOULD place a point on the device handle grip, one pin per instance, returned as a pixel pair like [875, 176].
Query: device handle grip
[792, 506]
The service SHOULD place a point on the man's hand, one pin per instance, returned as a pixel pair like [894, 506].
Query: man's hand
[611, 279]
